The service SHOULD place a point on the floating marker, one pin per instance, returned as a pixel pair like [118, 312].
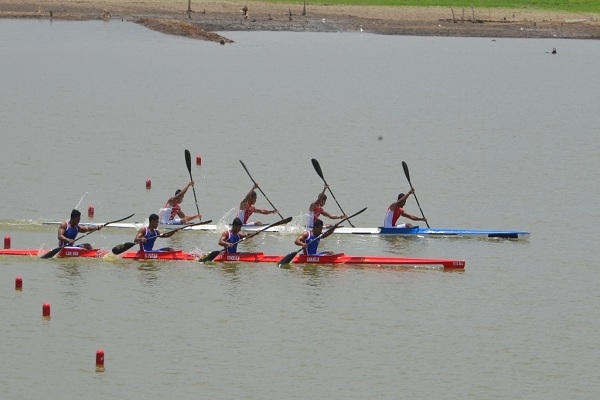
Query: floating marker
[198, 160]
[148, 184]
[18, 283]
[91, 211]
[99, 360]
[7, 242]
[46, 310]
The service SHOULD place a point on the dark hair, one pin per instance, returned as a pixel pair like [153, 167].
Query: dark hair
[318, 223]
[237, 222]
[401, 195]
[75, 214]
[153, 217]
[177, 192]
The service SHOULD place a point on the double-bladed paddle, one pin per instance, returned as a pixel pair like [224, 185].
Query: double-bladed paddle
[213, 254]
[287, 259]
[263, 193]
[317, 167]
[55, 251]
[405, 167]
[123, 247]
[188, 163]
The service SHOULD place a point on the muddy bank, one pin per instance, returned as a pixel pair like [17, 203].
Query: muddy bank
[204, 19]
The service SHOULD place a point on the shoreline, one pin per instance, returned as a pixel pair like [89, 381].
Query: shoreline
[207, 18]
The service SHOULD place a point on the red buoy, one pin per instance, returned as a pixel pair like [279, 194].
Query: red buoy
[46, 310]
[7, 242]
[148, 184]
[99, 360]
[18, 283]
[198, 160]
[91, 211]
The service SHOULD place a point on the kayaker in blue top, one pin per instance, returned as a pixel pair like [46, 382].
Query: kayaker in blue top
[230, 237]
[147, 235]
[68, 230]
[309, 240]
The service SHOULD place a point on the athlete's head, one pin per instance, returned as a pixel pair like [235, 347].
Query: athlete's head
[237, 222]
[153, 217]
[75, 214]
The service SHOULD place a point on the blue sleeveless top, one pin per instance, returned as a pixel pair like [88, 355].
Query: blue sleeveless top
[70, 233]
[150, 239]
[313, 244]
[233, 238]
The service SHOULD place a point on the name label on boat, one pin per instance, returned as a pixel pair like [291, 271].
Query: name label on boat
[233, 258]
[312, 259]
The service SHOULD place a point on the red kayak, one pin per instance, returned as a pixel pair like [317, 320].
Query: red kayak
[342, 258]
[179, 255]
[64, 252]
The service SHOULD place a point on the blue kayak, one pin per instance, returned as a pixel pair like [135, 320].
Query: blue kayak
[420, 231]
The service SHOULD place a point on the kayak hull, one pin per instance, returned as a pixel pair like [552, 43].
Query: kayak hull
[63, 253]
[414, 231]
[341, 258]
[179, 255]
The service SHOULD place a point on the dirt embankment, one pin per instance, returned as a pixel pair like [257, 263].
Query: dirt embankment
[203, 19]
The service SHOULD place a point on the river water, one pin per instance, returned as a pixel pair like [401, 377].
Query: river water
[498, 134]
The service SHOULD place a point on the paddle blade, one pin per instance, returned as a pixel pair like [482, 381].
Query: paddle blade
[123, 247]
[317, 167]
[52, 252]
[210, 256]
[287, 259]
[188, 160]
[406, 173]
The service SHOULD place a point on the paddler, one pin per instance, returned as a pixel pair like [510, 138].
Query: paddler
[146, 236]
[68, 230]
[309, 240]
[396, 211]
[171, 213]
[315, 210]
[230, 238]
[247, 208]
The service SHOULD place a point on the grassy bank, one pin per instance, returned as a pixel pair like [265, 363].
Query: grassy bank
[574, 6]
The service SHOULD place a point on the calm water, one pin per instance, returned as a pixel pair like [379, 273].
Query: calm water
[498, 134]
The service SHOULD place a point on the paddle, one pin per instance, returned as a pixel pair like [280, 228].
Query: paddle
[287, 259]
[123, 247]
[55, 251]
[188, 163]
[317, 167]
[405, 167]
[263, 193]
[213, 254]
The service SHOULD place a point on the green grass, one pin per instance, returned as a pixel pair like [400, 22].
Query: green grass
[577, 6]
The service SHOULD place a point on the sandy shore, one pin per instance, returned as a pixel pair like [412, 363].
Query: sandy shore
[203, 19]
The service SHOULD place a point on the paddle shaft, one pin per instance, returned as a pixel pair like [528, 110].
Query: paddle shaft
[405, 167]
[317, 167]
[188, 163]
[263, 193]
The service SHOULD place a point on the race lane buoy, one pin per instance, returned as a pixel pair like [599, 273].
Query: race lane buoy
[18, 283]
[198, 160]
[99, 360]
[91, 211]
[148, 184]
[7, 242]
[46, 310]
